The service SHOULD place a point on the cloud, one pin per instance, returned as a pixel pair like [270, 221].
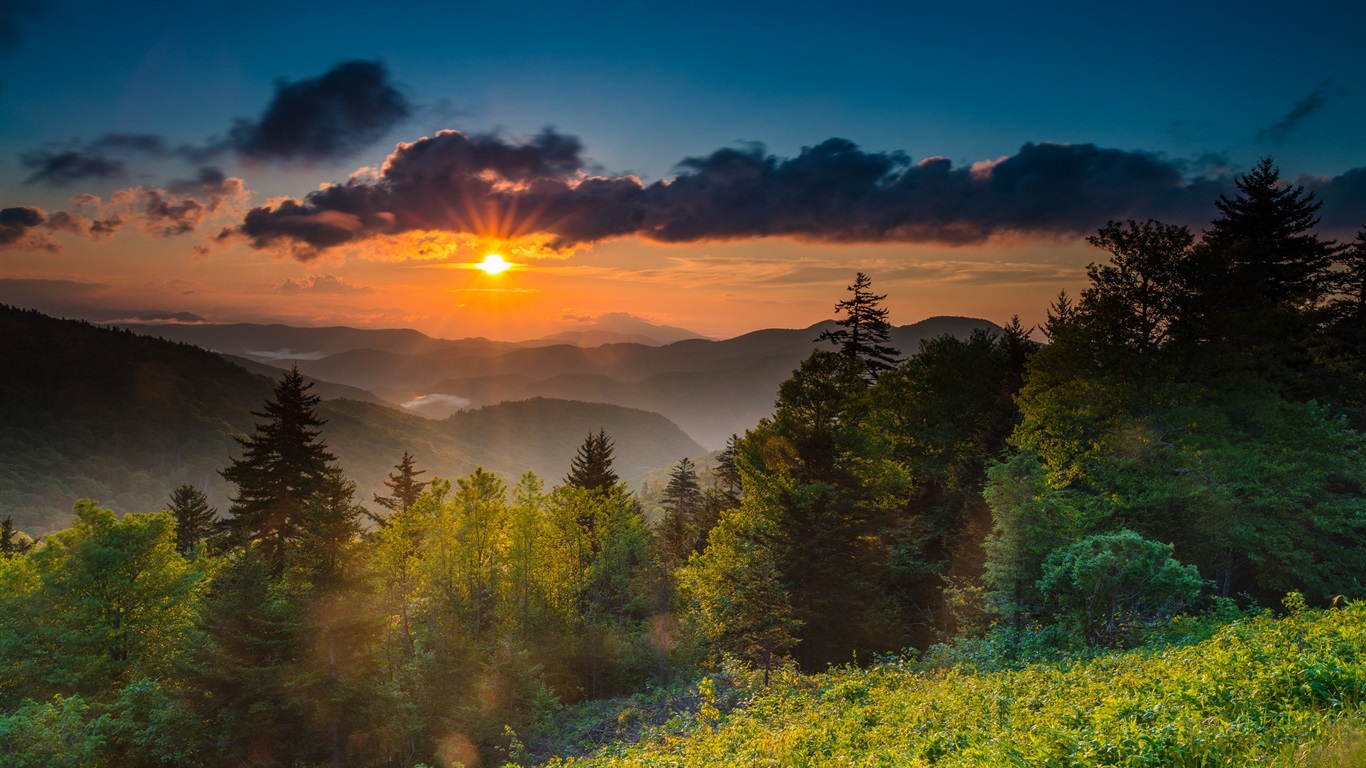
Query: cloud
[833, 192]
[19, 229]
[1344, 200]
[346, 109]
[331, 116]
[160, 317]
[60, 169]
[77, 224]
[437, 405]
[15, 223]
[1303, 108]
[326, 284]
[68, 163]
[284, 354]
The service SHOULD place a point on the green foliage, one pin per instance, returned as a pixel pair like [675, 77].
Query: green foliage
[1165, 705]
[736, 595]
[99, 605]
[1104, 584]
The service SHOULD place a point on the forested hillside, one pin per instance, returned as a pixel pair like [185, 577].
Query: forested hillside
[109, 415]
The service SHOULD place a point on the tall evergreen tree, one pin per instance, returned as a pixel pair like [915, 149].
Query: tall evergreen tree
[591, 468]
[194, 518]
[283, 466]
[403, 485]
[682, 503]
[864, 331]
[726, 472]
[1267, 234]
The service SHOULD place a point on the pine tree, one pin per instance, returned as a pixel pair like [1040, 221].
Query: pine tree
[682, 502]
[1266, 233]
[726, 472]
[194, 518]
[13, 541]
[283, 466]
[591, 469]
[864, 330]
[403, 485]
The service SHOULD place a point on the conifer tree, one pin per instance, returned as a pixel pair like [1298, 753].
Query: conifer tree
[194, 518]
[864, 331]
[591, 468]
[726, 472]
[403, 485]
[1267, 234]
[13, 541]
[682, 503]
[283, 466]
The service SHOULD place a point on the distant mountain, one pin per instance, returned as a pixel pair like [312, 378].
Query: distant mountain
[617, 328]
[275, 342]
[711, 389]
[123, 419]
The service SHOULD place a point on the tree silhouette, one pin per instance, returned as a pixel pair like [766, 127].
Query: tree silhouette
[1266, 232]
[403, 485]
[283, 466]
[864, 330]
[591, 469]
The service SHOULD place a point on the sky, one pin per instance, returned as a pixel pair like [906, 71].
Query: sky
[720, 167]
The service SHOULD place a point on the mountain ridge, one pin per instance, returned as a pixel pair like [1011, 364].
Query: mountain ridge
[121, 418]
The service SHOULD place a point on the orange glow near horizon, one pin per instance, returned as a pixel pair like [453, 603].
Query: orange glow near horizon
[494, 264]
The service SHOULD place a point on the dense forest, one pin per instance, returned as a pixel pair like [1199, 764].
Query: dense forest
[1184, 454]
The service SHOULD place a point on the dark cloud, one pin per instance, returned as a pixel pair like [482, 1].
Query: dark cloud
[1303, 108]
[17, 223]
[331, 116]
[207, 179]
[1344, 201]
[75, 223]
[344, 110]
[62, 168]
[96, 160]
[832, 192]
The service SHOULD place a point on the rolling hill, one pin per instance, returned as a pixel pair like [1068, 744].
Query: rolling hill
[122, 419]
[711, 389]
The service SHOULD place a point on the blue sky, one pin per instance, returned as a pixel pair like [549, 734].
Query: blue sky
[1206, 88]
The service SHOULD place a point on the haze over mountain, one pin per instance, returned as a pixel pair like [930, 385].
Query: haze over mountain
[712, 389]
[123, 419]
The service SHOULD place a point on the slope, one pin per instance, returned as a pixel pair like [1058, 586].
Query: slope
[120, 418]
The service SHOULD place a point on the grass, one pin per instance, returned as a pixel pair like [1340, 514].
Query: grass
[1284, 691]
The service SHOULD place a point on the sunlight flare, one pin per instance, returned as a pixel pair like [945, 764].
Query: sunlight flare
[493, 264]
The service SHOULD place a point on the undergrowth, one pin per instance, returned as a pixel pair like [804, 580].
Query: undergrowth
[1278, 691]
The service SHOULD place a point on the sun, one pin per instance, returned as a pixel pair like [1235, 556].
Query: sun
[493, 264]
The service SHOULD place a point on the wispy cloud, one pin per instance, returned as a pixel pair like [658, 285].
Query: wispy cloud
[1301, 111]
[322, 284]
